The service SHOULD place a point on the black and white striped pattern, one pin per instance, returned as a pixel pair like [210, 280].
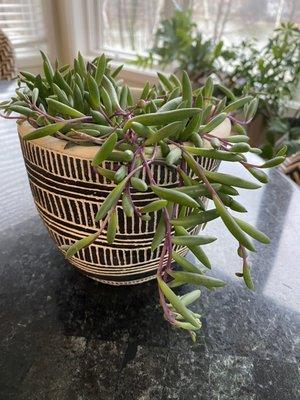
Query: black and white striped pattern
[68, 193]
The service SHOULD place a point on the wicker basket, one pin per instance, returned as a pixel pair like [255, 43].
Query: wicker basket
[67, 193]
[7, 58]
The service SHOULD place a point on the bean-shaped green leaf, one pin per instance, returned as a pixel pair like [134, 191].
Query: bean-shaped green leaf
[197, 279]
[253, 232]
[260, 175]
[220, 106]
[109, 87]
[196, 250]
[237, 138]
[213, 153]
[235, 105]
[255, 150]
[130, 100]
[127, 205]
[107, 173]
[228, 93]
[142, 130]
[175, 80]
[123, 96]
[238, 128]
[145, 91]
[116, 71]
[170, 105]
[164, 132]
[110, 201]
[105, 150]
[102, 129]
[175, 93]
[193, 240]
[173, 156]
[121, 156]
[64, 109]
[187, 180]
[187, 91]
[199, 100]
[120, 174]
[247, 276]
[81, 63]
[251, 108]
[190, 297]
[94, 92]
[226, 189]
[174, 196]
[106, 100]
[240, 147]
[112, 227]
[187, 326]
[208, 88]
[35, 95]
[177, 303]
[78, 99]
[185, 264]
[213, 123]
[192, 126]
[215, 143]
[61, 82]
[153, 206]
[232, 225]
[98, 118]
[166, 84]
[273, 162]
[230, 180]
[47, 130]
[81, 244]
[193, 220]
[162, 118]
[101, 65]
[159, 234]
[61, 95]
[138, 184]
[22, 110]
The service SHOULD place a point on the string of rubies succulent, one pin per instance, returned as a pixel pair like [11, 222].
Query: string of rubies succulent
[86, 105]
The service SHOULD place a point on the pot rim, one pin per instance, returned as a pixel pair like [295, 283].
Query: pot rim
[88, 152]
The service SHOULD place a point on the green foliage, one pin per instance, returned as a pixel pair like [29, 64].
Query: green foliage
[178, 40]
[270, 72]
[84, 104]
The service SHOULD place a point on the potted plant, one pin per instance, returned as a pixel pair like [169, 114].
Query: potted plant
[122, 184]
[180, 45]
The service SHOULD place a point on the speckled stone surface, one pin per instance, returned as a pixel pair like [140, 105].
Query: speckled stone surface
[65, 337]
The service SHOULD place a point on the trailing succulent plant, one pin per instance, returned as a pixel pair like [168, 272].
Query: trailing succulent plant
[169, 124]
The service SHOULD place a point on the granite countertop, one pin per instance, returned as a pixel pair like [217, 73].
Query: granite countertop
[66, 337]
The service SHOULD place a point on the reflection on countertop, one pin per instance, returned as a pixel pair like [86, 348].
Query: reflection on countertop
[64, 336]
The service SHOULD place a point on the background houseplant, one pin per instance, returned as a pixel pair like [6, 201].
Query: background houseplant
[169, 124]
[270, 72]
[178, 44]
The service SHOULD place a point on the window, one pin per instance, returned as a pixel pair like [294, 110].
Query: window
[23, 22]
[125, 27]
[122, 27]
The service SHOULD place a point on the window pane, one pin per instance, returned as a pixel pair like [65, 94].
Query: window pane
[126, 27]
[22, 21]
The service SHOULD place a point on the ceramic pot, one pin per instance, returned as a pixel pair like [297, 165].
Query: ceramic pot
[67, 193]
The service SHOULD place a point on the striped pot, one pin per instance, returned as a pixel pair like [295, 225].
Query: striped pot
[67, 193]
